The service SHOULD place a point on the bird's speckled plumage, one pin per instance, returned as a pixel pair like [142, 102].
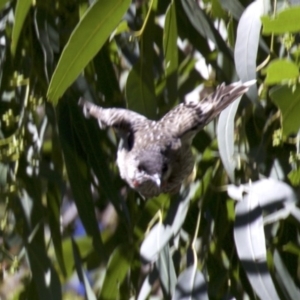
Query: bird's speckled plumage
[155, 156]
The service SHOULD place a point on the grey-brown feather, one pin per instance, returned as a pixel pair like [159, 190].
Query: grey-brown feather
[161, 150]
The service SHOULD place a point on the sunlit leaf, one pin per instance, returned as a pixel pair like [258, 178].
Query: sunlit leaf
[118, 266]
[285, 21]
[248, 34]
[86, 40]
[145, 288]
[279, 70]
[288, 101]
[155, 241]
[166, 271]
[225, 132]
[191, 285]
[294, 177]
[248, 228]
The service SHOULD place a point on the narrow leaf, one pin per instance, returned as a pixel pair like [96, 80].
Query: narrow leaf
[250, 244]
[191, 285]
[204, 25]
[118, 266]
[166, 271]
[246, 46]
[46, 281]
[225, 131]
[86, 40]
[284, 278]
[266, 194]
[78, 173]
[81, 272]
[170, 40]
[155, 241]
[53, 205]
[22, 9]
[140, 90]
[234, 7]
[145, 289]
[171, 52]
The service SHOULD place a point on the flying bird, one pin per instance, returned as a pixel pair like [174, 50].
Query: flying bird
[155, 157]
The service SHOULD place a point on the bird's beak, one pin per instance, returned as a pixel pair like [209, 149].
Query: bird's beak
[156, 179]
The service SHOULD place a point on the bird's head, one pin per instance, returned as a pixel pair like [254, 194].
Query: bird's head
[147, 168]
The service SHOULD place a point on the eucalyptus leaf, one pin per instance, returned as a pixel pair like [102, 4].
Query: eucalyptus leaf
[288, 100]
[88, 37]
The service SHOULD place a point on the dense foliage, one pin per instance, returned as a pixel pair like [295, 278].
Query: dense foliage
[71, 228]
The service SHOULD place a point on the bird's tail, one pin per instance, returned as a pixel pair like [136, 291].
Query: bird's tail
[196, 114]
[223, 96]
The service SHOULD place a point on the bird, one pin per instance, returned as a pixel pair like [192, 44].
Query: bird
[155, 157]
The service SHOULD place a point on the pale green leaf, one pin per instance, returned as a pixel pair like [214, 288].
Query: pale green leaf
[279, 70]
[285, 21]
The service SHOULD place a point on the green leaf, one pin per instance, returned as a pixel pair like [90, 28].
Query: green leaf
[85, 245]
[279, 70]
[204, 25]
[140, 91]
[86, 40]
[44, 276]
[3, 3]
[288, 101]
[286, 21]
[118, 266]
[170, 41]
[78, 173]
[81, 272]
[88, 132]
[53, 205]
[22, 9]
[217, 10]
[294, 177]
[171, 52]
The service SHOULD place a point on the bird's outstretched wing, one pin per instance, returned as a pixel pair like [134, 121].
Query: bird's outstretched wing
[119, 118]
[186, 119]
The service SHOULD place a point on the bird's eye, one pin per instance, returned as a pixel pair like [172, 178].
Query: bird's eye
[164, 168]
[141, 168]
[130, 141]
